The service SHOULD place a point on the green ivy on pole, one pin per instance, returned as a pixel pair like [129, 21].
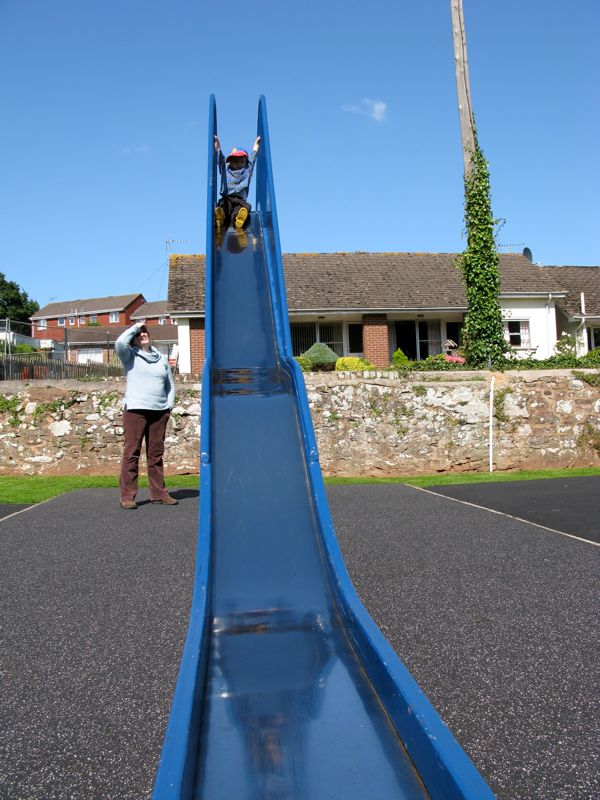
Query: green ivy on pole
[483, 332]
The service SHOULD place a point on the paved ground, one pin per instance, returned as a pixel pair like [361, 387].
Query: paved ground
[497, 619]
[498, 622]
[571, 505]
[6, 509]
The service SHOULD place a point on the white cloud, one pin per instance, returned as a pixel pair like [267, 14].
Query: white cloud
[139, 150]
[375, 109]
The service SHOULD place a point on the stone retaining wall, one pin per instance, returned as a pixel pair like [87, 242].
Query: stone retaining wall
[368, 424]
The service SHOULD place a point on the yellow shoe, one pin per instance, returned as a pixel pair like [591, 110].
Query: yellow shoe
[219, 218]
[242, 238]
[241, 217]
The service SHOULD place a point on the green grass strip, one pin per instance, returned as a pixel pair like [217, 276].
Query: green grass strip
[473, 477]
[35, 489]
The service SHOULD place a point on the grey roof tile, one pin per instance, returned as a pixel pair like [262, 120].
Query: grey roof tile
[577, 280]
[366, 281]
[89, 305]
[156, 308]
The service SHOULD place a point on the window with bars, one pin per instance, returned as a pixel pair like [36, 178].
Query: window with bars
[516, 332]
[305, 334]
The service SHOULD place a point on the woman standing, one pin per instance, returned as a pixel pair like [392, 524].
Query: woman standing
[149, 398]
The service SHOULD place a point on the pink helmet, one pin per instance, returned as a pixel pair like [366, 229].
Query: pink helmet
[235, 153]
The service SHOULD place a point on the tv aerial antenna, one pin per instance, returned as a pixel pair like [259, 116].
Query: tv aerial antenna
[170, 242]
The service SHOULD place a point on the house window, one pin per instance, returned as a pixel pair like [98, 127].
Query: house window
[82, 320]
[355, 337]
[331, 334]
[174, 321]
[61, 321]
[516, 332]
[71, 320]
[162, 320]
[305, 334]
[454, 332]
[42, 324]
[113, 316]
[93, 319]
[430, 338]
[595, 338]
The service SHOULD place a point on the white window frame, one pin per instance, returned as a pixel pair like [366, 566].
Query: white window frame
[113, 316]
[93, 318]
[42, 324]
[60, 321]
[162, 320]
[82, 320]
[72, 321]
[524, 332]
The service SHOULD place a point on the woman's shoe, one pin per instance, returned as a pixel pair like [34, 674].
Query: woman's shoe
[128, 504]
[167, 500]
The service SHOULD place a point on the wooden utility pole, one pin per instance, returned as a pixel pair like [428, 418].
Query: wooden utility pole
[465, 110]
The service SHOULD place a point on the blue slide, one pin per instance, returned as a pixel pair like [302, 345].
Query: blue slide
[287, 689]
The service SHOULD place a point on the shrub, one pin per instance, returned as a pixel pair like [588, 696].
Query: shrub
[24, 348]
[305, 363]
[454, 359]
[352, 364]
[592, 359]
[399, 359]
[321, 356]
[566, 345]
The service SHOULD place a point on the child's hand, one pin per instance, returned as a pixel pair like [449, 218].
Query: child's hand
[217, 144]
[256, 144]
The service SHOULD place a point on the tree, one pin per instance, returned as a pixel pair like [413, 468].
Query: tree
[14, 302]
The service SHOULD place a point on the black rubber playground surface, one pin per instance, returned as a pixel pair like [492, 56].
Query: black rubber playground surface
[496, 618]
[570, 505]
[6, 509]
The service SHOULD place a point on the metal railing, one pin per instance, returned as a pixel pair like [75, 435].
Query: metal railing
[33, 367]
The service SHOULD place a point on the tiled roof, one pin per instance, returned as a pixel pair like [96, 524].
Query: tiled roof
[99, 335]
[186, 283]
[90, 305]
[157, 308]
[365, 281]
[577, 280]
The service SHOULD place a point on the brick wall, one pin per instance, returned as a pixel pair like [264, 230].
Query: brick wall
[375, 339]
[197, 349]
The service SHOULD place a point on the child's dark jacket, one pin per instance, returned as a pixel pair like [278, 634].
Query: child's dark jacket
[237, 181]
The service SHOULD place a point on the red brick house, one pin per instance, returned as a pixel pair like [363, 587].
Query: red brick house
[50, 322]
[369, 304]
[97, 344]
[154, 313]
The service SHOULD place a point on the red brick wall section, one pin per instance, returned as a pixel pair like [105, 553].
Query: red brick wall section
[197, 350]
[375, 339]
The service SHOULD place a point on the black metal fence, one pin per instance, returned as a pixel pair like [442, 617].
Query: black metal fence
[40, 368]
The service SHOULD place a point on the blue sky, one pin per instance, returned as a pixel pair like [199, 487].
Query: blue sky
[104, 124]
